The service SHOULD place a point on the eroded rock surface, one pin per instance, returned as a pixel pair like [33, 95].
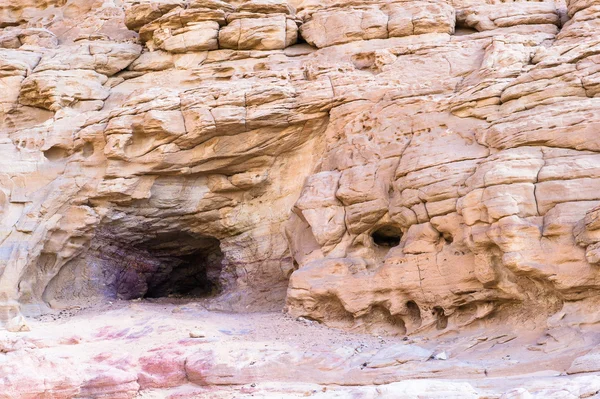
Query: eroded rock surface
[391, 167]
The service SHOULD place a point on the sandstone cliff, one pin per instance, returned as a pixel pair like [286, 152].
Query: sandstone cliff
[391, 167]
[409, 163]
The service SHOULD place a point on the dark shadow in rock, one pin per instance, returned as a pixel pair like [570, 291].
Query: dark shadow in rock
[55, 153]
[194, 274]
[440, 316]
[162, 265]
[414, 314]
[387, 236]
[380, 321]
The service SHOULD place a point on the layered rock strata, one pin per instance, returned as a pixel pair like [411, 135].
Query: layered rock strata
[413, 166]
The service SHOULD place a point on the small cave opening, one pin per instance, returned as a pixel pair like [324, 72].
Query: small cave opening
[381, 321]
[387, 236]
[414, 314]
[55, 153]
[441, 320]
[166, 265]
[464, 31]
[448, 239]
[460, 27]
[88, 150]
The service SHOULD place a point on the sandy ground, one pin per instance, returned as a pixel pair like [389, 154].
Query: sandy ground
[292, 357]
[181, 316]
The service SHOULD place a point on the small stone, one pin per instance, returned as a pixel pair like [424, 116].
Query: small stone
[17, 324]
[197, 334]
[441, 356]
[305, 320]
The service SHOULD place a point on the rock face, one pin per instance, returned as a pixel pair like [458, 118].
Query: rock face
[389, 166]
[459, 180]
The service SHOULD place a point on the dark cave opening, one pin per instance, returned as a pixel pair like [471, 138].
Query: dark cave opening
[464, 30]
[460, 27]
[189, 276]
[135, 263]
[448, 239]
[166, 265]
[441, 320]
[413, 314]
[387, 236]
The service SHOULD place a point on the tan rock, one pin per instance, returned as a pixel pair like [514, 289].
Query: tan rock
[268, 33]
[423, 169]
[53, 90]
[138, 15]
[493, 16]
[198, 37]
[346, 24]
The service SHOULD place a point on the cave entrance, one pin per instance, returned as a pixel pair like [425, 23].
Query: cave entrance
[194, 273]
[165, 265]
[131, 263]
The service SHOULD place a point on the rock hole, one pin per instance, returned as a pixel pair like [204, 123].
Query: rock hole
[380, 321]
[414, 314]
[461, 28]
[387, 236]
[440, 316]
[330, 310]
[300, 39]
[448, 238]
[88, 150]
[55, 153]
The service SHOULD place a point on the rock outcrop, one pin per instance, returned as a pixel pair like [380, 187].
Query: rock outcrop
[458, 188]
[388, 166]
[399, 168]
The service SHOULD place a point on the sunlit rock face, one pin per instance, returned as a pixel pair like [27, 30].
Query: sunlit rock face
[392, 167]
[459, 183]
[152, 148]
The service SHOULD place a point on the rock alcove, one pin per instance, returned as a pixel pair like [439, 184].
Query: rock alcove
[162, 265]
[387, 236]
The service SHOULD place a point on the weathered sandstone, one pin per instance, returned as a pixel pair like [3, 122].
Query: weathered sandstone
[389, 167]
